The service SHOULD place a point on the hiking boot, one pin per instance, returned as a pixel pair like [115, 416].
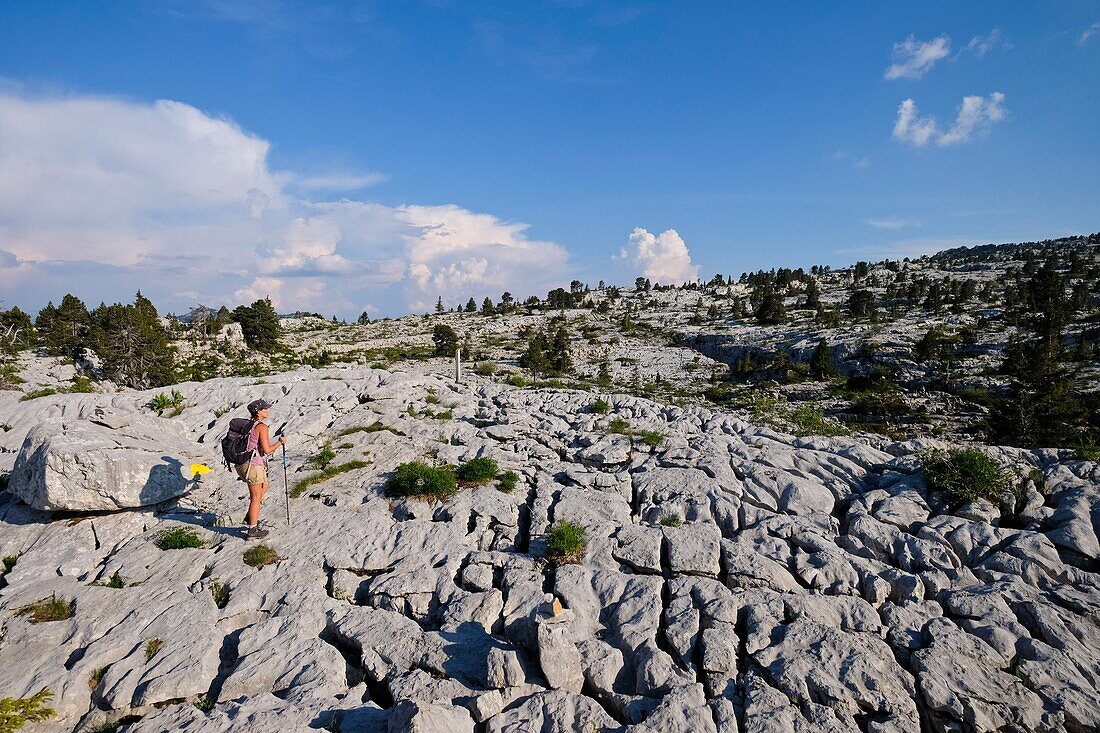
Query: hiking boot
[256, 533]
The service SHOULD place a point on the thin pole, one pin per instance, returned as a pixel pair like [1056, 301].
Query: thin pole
[286, 488]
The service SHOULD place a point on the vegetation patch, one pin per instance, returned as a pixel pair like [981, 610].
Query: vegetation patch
[507, 481]
[671, 520]
[48, 609]
[807, 420]
[618, 426]
[326, 474]
[259, 555]
[322, 458]
[651, 438]
[600, 407]
[152, 647]
[477, 471]
[172, 403]
[420, 480]
[44, 392]
[114, 582]
[96, 677]
[220, 592]
[178, 538]
[9, 562]
[15, 712]
[375, 427]
[964, 475]
[566, 543]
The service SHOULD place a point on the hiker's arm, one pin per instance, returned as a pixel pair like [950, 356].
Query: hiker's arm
[265, 445]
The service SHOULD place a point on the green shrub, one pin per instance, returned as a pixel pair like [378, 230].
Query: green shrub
[206, 703]
[485, 369]
[600, 407]
[507, 481]
[618, 426]
[15, 712]
[326, 474]
[651, 438]
[421, 480]
[46, 610]
[1088, 452]
[259, 555]
[162, 403]
[9, 562]
[44, 392]
[808, 420]
[671, 520]
[566, 543]
[478, 471]
[516, 380]
[323, 457]
[152, 647]
[81, 385]
[220, 592]
[964, 475]
[178, 538]
[114, 582]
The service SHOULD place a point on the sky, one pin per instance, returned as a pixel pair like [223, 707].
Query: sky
[342, 157]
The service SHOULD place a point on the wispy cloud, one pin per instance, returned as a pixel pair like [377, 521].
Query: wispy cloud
[890, 223]
[913, 59]
[981, 45]
[338, 182]
[842, 155]
[906, 248]
[1088, 33]
[976, 115]
[864, 162]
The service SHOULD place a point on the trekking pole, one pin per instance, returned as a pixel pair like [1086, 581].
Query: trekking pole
[286, 488]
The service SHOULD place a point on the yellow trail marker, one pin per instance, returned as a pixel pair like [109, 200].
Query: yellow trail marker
[198, 469]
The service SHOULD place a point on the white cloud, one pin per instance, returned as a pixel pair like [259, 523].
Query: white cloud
[889, 223]
[976, 115]
[102, 197]
[913, 59]
[911, 128]
[864, 162]
[981, 45]
[1088, 33]
[663, 258]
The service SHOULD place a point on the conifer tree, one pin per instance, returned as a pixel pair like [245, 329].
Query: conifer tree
[822, 366]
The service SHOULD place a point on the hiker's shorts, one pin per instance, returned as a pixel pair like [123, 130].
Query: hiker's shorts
[252, 473]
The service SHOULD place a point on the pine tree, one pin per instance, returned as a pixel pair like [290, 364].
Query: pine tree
[822, 366]
[16, 330]
[603, 374]
[560, 361]
[813, 296]
[534, 356]
[64, 329]
[364, 318]
[259, 324]
[487, 307]
[135, 347]
[445, 340]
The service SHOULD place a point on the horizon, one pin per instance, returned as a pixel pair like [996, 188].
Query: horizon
[347, 158]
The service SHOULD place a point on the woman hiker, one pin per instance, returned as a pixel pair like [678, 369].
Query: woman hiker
[254, 473]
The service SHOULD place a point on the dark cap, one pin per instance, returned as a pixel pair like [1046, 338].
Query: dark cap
[256, 405]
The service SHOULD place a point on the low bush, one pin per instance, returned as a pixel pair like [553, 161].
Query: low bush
[618, 426]
[167, 402]
[964, 475]
[651, 438]
[375, 427]
[421, 480]
[322, 458]
[671, 520]
[46, 610]
[326, 474]
[152, 647]
[600, 407]
[507, 481]
[566, 543]
[15, 712]
[485, 369]
[478, 471]
[178, 538]
[9, 562]
[259, 555]
[44, 392]
[808, 420]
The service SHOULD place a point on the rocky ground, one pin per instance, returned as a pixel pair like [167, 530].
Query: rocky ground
[735, 578]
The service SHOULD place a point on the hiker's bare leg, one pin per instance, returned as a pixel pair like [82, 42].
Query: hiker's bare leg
[255, 496]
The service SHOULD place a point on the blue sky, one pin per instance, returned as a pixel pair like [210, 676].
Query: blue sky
[377, 155]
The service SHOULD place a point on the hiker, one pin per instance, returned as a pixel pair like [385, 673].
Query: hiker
[254, 471]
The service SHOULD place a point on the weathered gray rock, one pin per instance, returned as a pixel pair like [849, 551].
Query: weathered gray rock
[80, 465]
[414, 716]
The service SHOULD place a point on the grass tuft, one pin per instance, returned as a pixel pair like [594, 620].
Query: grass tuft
[421, 480]
[96, 677]
[259, 555]
[507, 481]
[178, 538]
[375, 427]
[152, 647]
[46, 610]
[220, 592]
[567, 543]
[326, 474]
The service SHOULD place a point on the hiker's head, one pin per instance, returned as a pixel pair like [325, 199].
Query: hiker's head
[258, 408]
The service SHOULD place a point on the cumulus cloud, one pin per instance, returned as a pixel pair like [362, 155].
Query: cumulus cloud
[976, 115]
[102, 196]
[913, 59]
[663, 258]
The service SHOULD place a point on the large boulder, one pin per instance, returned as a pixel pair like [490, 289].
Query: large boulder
[102, 461]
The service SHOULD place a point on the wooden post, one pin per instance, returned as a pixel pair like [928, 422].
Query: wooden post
[458, 365]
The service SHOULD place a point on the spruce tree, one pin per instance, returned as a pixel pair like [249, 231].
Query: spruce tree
[445, 340]
[471, 306]
[603, 374]
[822, 366]
[259, 324]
